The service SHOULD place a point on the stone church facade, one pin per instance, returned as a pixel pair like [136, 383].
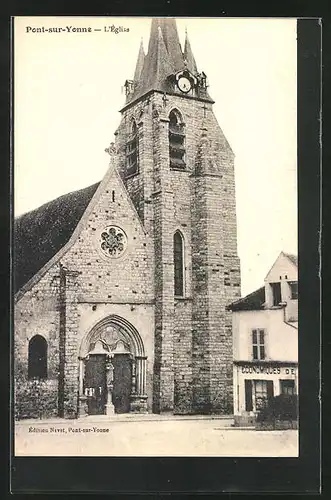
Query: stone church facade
[137, 271]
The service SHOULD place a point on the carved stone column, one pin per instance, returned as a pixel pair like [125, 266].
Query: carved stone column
[110, 409]
[139, 397]
[82, 399]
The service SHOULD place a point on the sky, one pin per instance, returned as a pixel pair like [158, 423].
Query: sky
[68, 90]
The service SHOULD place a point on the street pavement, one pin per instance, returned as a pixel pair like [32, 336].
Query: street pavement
[149, 437]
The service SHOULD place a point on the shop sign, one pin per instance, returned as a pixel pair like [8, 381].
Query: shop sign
[268, 370]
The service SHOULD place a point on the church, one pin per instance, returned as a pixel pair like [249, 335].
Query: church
[122, 288]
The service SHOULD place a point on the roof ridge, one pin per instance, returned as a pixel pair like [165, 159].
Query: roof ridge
[251, 302]
[248, 295]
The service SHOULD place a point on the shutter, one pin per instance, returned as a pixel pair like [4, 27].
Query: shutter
[254, 337]
[248, 395]
[270, 389]
[261, 337]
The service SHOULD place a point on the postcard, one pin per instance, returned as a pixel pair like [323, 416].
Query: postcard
[155, 253]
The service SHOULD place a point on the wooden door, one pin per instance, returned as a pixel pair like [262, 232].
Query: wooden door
[95, 386]
[122, 382]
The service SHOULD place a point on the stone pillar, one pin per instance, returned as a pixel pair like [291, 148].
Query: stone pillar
[146, 165]
[163, 203]
[68, 362]
[81, 376]
[139, 396]
[82, 400]
[141, 375]
[110, 409]
[215, 272]
[134, 378]
[144, 374]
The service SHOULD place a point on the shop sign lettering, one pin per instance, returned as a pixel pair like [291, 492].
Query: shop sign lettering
[268, 370]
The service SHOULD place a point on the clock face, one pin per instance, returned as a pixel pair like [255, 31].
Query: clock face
[184, 84]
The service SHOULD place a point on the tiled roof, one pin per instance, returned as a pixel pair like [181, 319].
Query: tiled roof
[293, 258]
[41, 233]
[252, 302]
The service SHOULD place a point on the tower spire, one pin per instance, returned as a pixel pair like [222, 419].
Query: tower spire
[171, 40]
[164, 57]
[157, 70]
[188, 55]
[140, 62]
[164, 66]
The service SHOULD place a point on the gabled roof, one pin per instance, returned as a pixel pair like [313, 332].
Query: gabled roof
[41, 233]
[252, 302]
[293, 258]
[255, 300]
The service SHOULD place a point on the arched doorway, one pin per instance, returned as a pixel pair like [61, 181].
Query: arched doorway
[116, 339]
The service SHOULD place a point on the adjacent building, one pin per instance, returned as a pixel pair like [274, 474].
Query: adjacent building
[265, 340]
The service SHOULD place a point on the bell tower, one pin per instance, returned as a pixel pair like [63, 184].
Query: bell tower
[178, 169]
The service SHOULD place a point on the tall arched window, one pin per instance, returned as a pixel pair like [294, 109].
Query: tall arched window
[37, 363]
[132, 151]
[176, 141]
[179, 264]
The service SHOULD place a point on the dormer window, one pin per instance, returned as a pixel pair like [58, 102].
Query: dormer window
[132, 151]
[294, 289]
[176, 141]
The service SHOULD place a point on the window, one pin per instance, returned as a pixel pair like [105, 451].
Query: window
[248, 395]
[179, 264]
[132, 151]
[37, 363]
[176, 141]
[294, 289]
[258, 394]
[263, 391]
[287, 387]
[276, 293]
[258, 344]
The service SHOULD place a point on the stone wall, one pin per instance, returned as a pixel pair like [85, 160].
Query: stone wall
[37, 313]
[128, 278]
[183, 357]
[198, 349]
[191, 358]
[82, 275]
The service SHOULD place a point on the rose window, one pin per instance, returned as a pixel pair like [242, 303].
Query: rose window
[113, 241]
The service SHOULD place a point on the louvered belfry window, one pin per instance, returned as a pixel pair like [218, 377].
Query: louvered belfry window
[176, 141]
[179, 264]
[132, 159]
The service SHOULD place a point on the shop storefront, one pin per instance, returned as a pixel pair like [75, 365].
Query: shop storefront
[256, 382]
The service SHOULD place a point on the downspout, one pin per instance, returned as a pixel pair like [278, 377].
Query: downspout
[287, 322]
